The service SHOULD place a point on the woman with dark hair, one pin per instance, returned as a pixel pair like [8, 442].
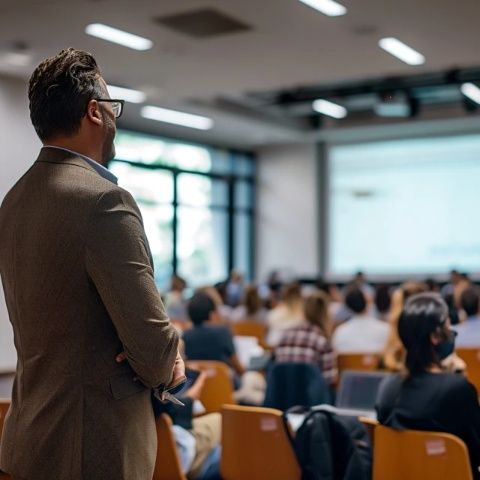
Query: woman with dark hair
[425, 397]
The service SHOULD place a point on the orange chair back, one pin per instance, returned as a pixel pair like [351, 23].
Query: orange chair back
[4, 406]
[358, 361]
[167, 465]
[370, 425]
[410, 454]
[471, 356]
[250, 328]
[255, 445]
[218, 388]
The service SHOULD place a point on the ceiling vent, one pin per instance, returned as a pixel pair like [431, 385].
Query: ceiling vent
[203, 23]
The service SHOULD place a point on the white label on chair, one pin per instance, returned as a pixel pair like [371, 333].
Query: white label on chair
[368, 359]
[435, 447]
[268, 424]
[211, 372]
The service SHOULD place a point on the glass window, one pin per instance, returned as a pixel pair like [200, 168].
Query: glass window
[158, 223]
[243, 244]
[146, 185]
[153, 168]
[153, 191]
[243, 194]
[201, 191]
[141, 148]
[221, 161]
[242, 164]
[202, 245]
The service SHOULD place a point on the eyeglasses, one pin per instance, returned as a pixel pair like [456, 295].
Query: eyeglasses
[117, 105]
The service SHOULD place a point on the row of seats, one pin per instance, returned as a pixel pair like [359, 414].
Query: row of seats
[255, 446]
[218, 387]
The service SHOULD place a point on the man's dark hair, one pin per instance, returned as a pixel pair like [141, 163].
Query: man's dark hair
[355, 300]
[470, 301]
[383, 298]
[200, 307]
[59, 91]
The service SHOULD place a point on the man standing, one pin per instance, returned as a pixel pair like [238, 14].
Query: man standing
[78, 280]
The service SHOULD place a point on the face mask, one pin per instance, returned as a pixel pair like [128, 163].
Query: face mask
[446, 348]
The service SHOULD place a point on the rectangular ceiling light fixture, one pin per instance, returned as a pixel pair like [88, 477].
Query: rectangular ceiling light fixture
[403, 52]
[127, 94]
[114, 35]
[329, 108]
[327, 7]
[471, 91]
[177, 118]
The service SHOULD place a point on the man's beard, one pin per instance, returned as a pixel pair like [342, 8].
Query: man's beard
[108, 150]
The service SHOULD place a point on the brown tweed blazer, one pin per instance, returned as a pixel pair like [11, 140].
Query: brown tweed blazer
[78, 280]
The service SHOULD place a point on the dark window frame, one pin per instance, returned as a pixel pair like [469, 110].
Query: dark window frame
[230, 208]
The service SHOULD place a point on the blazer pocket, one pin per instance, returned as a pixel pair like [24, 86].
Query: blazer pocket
[123, 385]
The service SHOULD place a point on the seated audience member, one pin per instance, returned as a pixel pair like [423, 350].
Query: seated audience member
[207, 340]
[234, 289]
[362, 333]
[449, 288]
[288, 313]
[469, 331]
[310, 342]
[432, 285]
[217, 294]
[338, 311]
[361, 282]
[394, 353]
[382, 301]
[175, 302]
[197, 439]
[426, 397]
[252, 307]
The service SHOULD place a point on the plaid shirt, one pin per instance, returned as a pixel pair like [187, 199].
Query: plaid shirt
[307, 344]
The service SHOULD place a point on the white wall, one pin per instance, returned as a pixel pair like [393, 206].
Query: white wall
[20, 148]
[287, 210]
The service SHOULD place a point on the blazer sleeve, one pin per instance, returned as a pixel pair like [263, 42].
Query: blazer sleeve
[118, 262]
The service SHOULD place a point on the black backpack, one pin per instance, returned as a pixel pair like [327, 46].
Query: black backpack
[332, 447]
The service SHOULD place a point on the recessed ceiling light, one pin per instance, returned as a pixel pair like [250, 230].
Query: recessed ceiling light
[327, 7]
[114, 35]
[177, 118]
[329, 108]
[127, 94]
[471, 91]
[402, 51]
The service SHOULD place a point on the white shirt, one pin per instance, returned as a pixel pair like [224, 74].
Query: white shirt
[468, 333]
[361, 334]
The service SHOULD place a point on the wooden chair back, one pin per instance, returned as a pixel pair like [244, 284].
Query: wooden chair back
[218, 388]
[370, 424]
[410, 454]
[471, 356]
[167, 465]
[358, 361]
[255, 445]
[250, 328]
[4, 406]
